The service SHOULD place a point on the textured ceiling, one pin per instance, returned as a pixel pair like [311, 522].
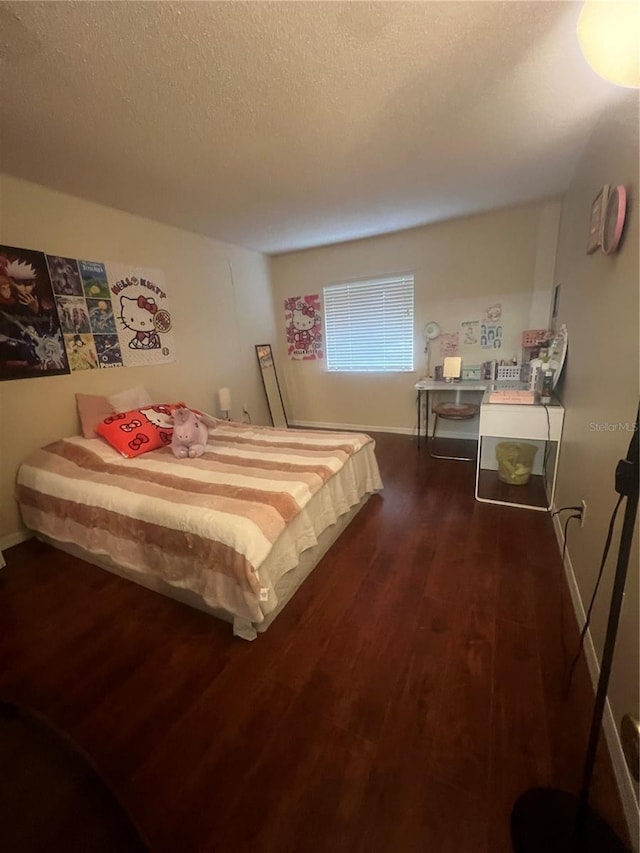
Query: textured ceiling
[285, 125]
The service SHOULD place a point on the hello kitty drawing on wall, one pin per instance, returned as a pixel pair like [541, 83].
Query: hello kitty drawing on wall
[304, 327]
[304, 319]
[144, 319]
[137, 315]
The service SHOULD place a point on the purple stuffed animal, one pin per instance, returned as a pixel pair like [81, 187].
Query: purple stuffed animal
[189, 434]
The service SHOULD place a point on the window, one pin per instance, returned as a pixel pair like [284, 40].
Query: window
[369, 325]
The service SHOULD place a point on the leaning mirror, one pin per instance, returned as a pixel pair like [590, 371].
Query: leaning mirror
[271, 387]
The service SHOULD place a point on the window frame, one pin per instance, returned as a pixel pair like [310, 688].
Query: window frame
[379, 287]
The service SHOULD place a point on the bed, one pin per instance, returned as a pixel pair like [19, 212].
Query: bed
[234, 532]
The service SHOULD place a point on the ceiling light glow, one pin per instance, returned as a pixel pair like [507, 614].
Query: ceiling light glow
[609, 35]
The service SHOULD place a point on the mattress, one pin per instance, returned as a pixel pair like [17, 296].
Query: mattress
[226, 527]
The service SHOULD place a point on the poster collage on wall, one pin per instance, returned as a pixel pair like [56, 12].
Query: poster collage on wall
[485, 332]
[60, 315]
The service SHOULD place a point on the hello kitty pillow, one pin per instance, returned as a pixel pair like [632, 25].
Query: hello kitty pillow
[140, 430]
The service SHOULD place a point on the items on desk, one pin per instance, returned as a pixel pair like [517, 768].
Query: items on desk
[471, 372]
[533, 341]
[452, 368]
[488, 370]
[535, 337]
[509, 372]
[492, 371]
[543, 351]
[533, 373]
[512, 392]
[557, 352]
[538, 387]
[546, 384]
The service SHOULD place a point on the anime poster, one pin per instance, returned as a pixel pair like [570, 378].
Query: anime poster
[31, 342]
[84, 308]
[142, 316]
[76, 328]
[101, 322]
[81, 352]
[64, 276]
[303, 322]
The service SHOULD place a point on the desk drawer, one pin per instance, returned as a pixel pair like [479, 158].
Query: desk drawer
[504, 421]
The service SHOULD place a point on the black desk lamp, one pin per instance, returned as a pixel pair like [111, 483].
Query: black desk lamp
[549, 820]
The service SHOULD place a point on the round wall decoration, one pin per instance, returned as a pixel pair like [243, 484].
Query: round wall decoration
[614, 219]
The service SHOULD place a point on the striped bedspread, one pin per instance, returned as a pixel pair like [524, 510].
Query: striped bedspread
[207, 524]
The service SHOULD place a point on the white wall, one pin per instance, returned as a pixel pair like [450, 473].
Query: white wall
[461, 267]
[599, 304]
[221, 306]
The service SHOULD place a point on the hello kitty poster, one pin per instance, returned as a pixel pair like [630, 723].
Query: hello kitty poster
[303, 323]
[142, 315]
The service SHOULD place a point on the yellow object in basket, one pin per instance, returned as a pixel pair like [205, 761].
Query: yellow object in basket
[515, 462]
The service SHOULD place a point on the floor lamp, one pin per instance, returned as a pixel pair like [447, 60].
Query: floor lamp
[549, 820]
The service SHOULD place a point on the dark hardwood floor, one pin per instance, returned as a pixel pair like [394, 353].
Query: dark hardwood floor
[404, 698]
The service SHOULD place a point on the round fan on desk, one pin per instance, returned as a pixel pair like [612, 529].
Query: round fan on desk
[431, 331]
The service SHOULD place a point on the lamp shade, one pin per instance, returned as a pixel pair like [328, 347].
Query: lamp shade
[609, 36]
[224, 399]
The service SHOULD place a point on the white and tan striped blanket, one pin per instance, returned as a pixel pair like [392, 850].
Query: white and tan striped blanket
[208, 524]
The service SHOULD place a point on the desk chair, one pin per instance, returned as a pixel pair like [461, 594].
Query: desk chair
[452, 412]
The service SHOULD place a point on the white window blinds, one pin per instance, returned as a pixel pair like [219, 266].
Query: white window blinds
[369, 325]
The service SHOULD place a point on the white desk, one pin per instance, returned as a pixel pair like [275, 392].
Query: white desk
[424, 386]
[534, 422]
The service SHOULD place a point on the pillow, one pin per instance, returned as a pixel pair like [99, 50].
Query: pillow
[132, 398]
[92, 410]
[139, 430]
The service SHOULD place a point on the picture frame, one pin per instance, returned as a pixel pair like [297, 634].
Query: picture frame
[554, 307]
[596, 223]
[471, 371]
[614, 216]
[557, 352]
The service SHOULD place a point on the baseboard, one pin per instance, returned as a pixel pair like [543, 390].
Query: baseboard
[442, 433]
[624, 780]
[354, 427]
[12, 539]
